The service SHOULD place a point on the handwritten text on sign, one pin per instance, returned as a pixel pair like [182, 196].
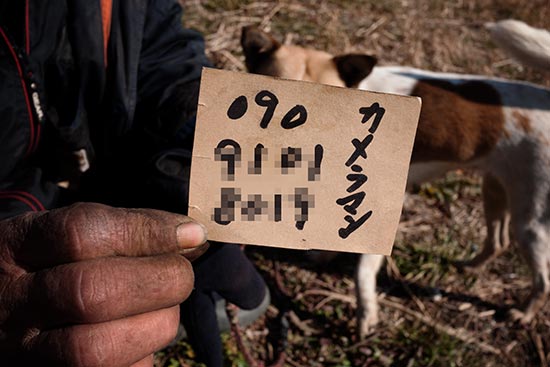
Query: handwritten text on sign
[300, 165]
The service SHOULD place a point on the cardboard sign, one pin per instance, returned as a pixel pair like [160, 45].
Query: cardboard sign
[300, 165]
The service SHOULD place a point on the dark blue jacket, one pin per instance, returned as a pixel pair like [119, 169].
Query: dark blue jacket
[128, 104]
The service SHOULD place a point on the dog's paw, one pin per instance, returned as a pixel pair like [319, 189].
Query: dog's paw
[464, 266]
[367, 323]
[520, 317]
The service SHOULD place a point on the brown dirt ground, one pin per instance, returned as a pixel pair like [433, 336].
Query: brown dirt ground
[430, 314]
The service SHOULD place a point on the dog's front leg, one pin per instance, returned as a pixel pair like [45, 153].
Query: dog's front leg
[497, 218]
[534, 243]
[365, 287]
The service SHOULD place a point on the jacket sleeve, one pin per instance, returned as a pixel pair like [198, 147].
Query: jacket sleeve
[170, 65]
[171, 61]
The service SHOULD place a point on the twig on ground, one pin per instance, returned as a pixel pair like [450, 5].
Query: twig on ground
[307, 330]
[329, 296]
[373, 27]
[236, 62]
[200, 9]
[459, 333]
[232, 314]
[279, 280]
[270, 15]
[537, 341]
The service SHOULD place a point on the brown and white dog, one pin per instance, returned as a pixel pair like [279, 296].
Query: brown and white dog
[498, 126]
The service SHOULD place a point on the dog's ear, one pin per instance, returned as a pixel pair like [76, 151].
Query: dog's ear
[354, 67]
[257, 45]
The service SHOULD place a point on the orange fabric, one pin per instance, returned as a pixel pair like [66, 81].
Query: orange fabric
[106, 15]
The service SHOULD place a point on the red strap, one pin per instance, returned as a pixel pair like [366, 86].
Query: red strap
[106, 16]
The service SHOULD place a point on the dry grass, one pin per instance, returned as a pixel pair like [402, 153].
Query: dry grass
[433, 34]
[431, 315]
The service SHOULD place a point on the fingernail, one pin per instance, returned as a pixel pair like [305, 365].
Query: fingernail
[191, 234]
[194, 253]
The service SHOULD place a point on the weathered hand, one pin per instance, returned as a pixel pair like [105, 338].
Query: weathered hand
[91, 285]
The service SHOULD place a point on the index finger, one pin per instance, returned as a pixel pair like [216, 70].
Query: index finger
[86, 231]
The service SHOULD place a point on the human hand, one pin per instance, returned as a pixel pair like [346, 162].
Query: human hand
[91, 285]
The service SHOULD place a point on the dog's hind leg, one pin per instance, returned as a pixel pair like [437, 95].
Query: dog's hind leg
[497, 218]
[530, 207]
[534, 242]
[365, 287]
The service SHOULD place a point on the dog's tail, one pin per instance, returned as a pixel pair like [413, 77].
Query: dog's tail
[530, 46]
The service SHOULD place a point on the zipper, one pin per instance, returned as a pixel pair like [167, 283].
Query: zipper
[35, 94]
[17, 58]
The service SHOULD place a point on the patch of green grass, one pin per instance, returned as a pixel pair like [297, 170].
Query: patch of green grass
[180, 355]
[429, 261]
[423, 346]
[450, 188]
[233, 357]
[413, 344]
